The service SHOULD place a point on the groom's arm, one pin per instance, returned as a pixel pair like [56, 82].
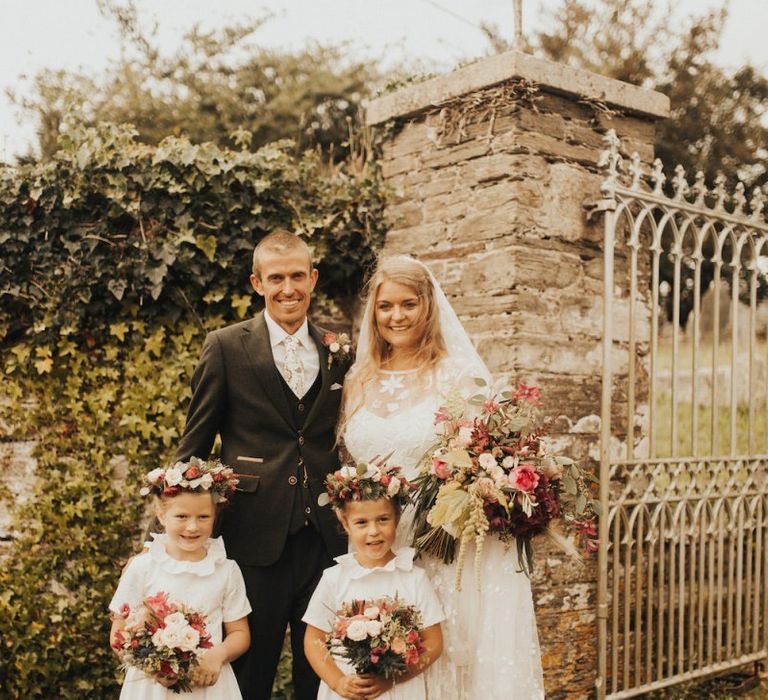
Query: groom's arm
[207, 406]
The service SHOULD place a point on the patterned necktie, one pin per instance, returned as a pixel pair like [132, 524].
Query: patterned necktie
[293, 370]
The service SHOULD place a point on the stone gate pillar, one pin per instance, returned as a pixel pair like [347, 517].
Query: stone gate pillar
[490, 167]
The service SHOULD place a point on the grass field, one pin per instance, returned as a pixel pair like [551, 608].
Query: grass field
[685, 410]
[704, 429]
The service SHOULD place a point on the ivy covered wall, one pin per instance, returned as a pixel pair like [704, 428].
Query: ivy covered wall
[115, 259]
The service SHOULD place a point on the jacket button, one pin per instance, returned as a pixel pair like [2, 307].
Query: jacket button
[292, 480]
[301, 439]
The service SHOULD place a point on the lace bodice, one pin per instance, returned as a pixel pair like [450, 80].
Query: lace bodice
[396, 419]
[397, 415]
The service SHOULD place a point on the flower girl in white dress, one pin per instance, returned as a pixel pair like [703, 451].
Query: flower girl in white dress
[411, 355]
[190, 568]
[368, 507]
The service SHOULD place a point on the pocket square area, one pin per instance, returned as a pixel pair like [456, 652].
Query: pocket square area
[335, 386]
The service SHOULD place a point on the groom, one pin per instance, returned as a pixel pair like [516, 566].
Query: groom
[269, 389]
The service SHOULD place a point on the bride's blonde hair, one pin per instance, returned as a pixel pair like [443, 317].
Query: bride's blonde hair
[430, 349]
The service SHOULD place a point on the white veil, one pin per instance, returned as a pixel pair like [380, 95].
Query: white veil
[460, 349]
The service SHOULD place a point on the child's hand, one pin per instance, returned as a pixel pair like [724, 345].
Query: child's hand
[166, 681]
[376, 686]
[207, 673]
[352, 686]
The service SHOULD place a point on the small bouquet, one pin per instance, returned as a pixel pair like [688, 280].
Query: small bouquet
[339, 347]
[164, 639]
[494, 474]
[381, 637]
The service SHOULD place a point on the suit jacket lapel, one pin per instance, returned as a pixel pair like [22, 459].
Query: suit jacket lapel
[322, 352]
[256, 343]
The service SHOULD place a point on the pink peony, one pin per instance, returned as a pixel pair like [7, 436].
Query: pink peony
[524, 478]
[440, 469]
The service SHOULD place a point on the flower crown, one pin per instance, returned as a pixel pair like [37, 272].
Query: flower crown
[196, 476]
[366, 482]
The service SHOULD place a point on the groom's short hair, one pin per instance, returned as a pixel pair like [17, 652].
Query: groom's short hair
[279, 241]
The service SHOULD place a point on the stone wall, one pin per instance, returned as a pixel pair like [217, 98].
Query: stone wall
[17, 476]
[491, 167]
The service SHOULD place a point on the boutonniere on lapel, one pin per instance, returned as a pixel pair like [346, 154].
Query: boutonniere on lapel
[339, 347]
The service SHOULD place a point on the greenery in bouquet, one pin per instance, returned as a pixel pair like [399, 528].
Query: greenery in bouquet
[164, 639]
[381, 637]
[492, 472]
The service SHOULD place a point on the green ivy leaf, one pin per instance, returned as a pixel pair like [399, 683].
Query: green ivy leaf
[207, 244]
[241, 303]
[118, 330]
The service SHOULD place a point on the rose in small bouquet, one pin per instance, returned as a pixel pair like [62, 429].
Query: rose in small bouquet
[164, 639]
[381, 636]
[494, 474]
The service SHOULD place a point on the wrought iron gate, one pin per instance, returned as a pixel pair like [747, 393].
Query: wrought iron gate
[683, 559]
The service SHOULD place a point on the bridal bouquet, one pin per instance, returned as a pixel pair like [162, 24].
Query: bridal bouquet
[163, 639]
[381, 636]
[493, 474]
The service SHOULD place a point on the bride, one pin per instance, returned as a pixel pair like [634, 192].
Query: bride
[413, 351]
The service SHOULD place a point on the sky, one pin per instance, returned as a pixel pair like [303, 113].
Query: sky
[434, 35]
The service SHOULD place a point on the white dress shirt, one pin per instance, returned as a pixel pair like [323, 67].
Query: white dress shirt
[307, 350]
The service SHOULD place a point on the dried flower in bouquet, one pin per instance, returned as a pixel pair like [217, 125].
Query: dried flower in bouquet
[492, 473]
[164, 639]
[381, 636]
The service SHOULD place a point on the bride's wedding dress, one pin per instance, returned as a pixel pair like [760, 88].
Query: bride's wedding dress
[490, 640]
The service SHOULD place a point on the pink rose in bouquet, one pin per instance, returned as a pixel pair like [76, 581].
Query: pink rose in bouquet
[524, 478]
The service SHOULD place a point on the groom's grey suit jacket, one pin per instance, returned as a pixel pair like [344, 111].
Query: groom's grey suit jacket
[238, 393]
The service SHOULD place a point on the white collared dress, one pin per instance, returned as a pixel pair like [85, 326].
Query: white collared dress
[348, 581]
[213, 586]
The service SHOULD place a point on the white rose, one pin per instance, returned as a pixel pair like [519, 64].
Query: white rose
[348, 472]
[171, 637]
[334, 347]
[487, 460]
[173, 476]
[498, 474]
[175, 620]
[206, 480]
[155, 475]
[373, 627]
[357, 630]
[394, 487]
[509, 462]
[371, 612]
[195, 483]
[190, 638]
